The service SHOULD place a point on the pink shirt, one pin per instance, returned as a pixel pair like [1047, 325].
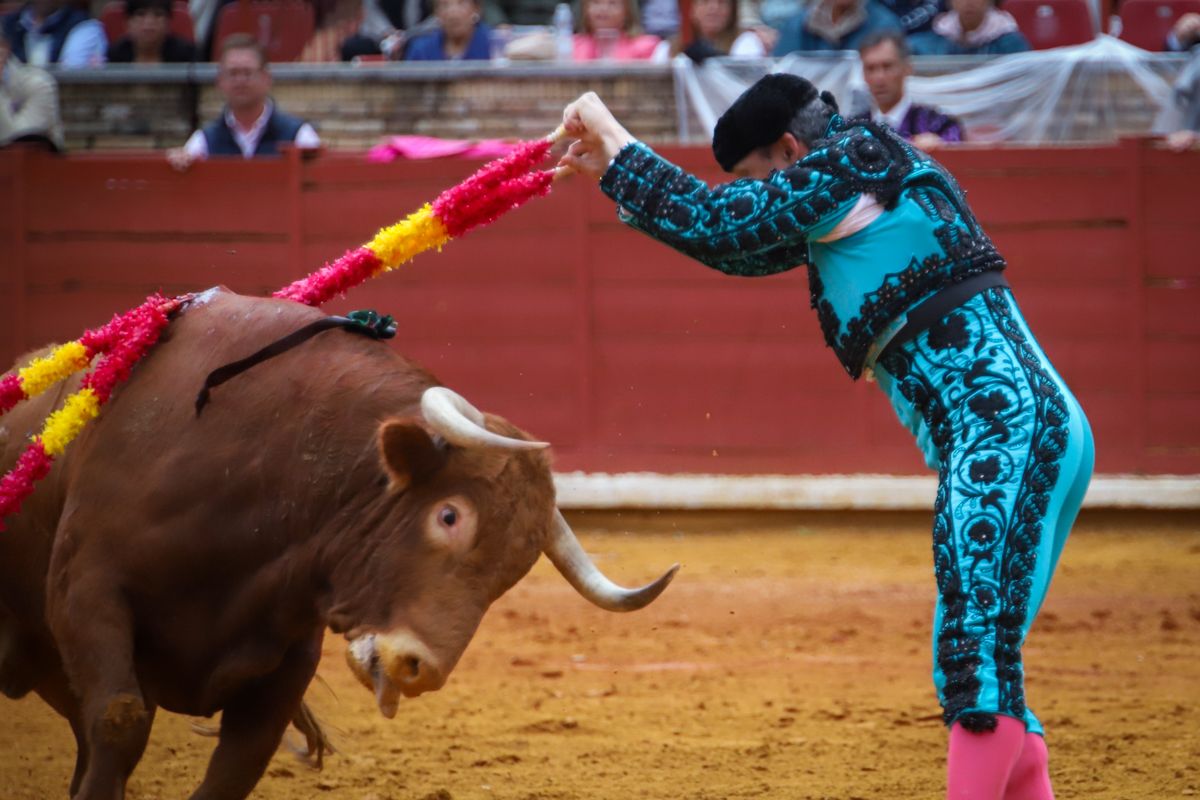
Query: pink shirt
[627, 48]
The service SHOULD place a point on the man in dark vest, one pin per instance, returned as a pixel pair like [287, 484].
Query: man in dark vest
[44, 32]
[250, 125]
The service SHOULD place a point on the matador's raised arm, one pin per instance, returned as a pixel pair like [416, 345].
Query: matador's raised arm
[751, 227]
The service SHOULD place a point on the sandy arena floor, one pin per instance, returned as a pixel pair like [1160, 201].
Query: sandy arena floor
[790, 659]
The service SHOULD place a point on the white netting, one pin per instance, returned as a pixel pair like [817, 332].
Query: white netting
[1092, 92]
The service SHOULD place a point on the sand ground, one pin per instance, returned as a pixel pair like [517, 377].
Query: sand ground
[790, 659]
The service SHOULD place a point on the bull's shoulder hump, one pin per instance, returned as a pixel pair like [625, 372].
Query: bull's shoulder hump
[227, 307]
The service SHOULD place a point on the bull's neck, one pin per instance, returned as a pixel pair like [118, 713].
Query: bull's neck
[344, 518]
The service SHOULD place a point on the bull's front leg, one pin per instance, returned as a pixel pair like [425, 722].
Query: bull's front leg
[57, 694]
[25, 664]
[93, 628]
[253, 723]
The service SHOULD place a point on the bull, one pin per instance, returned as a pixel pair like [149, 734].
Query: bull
[193, 563]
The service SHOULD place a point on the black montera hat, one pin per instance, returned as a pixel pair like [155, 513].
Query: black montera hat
[759, 117]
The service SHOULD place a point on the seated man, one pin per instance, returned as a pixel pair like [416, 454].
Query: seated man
[44, 32]
[28, 103]
[1185, 33]
[834, 25]
[148, 39]
[250, 125]
[971, 27]
[886, 65]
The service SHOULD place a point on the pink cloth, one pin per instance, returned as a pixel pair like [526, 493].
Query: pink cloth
[626, 48]
[419, 147]
[1030, 779]
[979, 764]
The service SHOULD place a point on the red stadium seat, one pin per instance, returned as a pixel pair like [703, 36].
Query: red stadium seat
[1053, 23]
[182, 24]
[112, 16]
[282, 27]
[1146, 23]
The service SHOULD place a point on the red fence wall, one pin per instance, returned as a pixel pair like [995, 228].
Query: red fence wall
[623, 354]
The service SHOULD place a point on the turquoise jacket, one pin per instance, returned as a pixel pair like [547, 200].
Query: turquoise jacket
[862, 285]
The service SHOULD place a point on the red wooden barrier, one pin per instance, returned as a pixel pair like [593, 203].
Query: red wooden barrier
[623, 354]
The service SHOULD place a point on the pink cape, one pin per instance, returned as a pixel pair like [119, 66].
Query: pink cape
[419, 147]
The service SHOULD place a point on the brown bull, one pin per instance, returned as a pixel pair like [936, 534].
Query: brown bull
[193, 563]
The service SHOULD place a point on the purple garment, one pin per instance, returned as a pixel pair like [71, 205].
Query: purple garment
[923, 119]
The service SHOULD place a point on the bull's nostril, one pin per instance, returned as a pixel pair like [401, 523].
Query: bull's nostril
[414, 666]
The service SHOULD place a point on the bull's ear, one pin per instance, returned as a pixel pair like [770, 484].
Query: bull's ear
[409, 453]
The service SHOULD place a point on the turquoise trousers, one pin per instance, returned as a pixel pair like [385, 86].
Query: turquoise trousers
[1014, 454]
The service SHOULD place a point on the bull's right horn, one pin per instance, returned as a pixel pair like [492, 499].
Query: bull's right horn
[460, 423]
[567, 554]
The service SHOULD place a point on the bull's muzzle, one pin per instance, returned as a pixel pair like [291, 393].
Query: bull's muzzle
[393, 664]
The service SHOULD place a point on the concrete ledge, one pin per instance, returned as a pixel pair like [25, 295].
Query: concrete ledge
[579, 490]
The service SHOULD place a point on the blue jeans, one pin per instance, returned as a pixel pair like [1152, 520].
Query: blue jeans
[1014, 456]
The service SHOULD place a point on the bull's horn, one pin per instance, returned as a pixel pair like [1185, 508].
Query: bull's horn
[460, 423]
[566, 553]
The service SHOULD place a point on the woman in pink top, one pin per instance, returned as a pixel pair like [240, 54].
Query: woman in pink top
[611, 30]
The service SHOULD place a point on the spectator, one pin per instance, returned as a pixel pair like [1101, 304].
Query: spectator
[28, 102]
[971, 27]
[750, 17]
[772, 13]
[612, 29]
[461, 34]
[1185, 33]
[204, 24]
[915, 16]
[148, 39]
[886, 65]
[661, 18]
[1187, 97]
[250, 124]
[834, 25]
[384, 28]
[716, 32]
[44, 32]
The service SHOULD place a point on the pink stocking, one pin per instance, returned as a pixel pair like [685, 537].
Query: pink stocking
[1030, 779]
[979, 764]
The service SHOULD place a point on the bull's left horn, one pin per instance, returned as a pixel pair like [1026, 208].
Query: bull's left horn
[460, 423]
[567, 554]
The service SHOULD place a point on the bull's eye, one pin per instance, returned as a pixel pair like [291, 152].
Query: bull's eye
[451, 522]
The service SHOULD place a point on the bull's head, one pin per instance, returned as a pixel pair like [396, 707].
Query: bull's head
[473, 501]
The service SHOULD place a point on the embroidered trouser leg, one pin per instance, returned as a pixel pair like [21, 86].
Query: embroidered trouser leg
[1014, 456]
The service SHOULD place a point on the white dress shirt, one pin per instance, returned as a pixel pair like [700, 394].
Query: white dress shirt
[894, 117]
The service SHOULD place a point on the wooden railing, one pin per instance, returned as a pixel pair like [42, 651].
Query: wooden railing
[623, 354]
